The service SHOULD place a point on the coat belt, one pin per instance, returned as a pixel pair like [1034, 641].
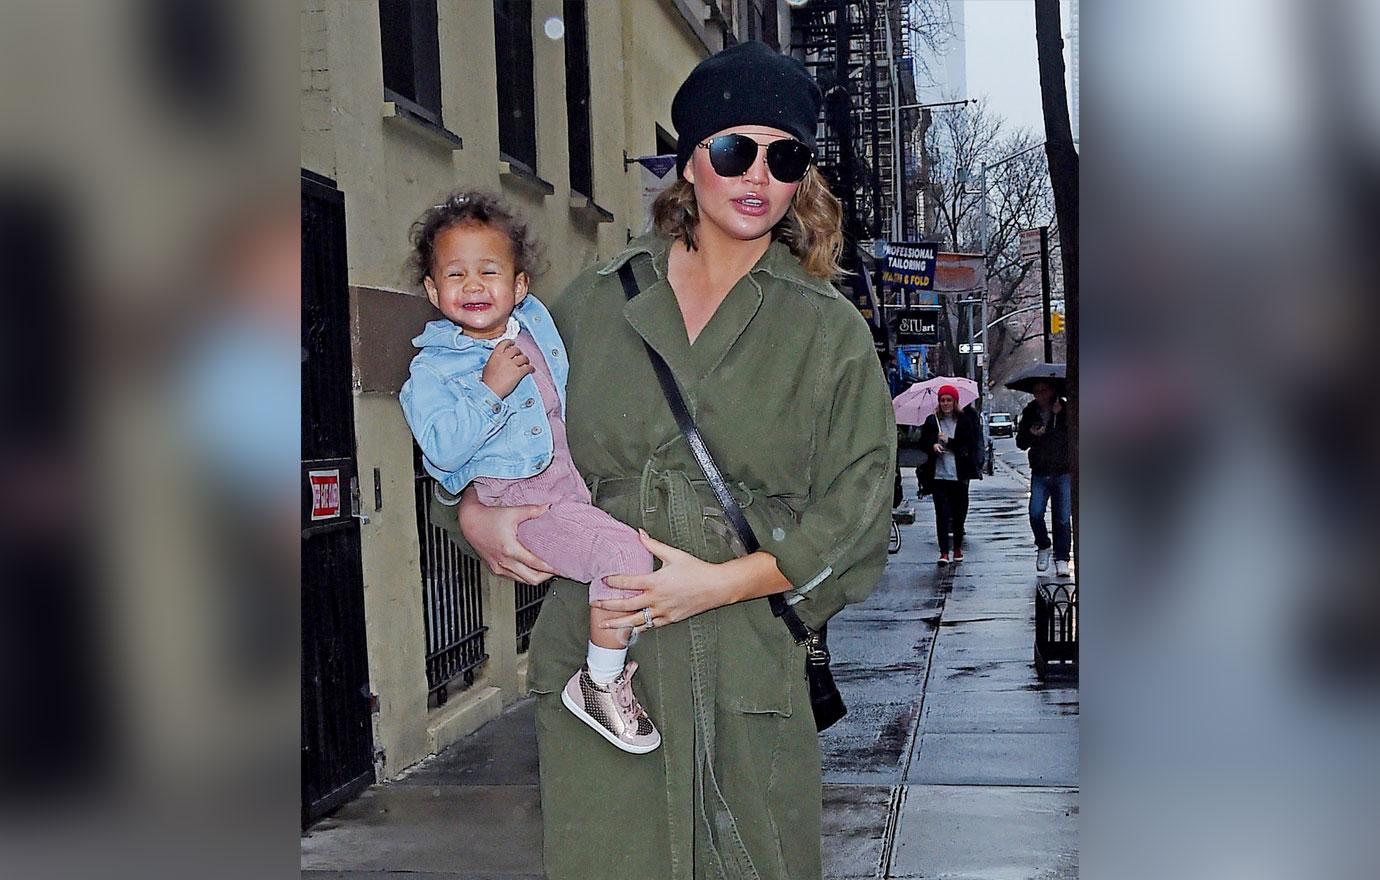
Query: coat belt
[686, 502]
[676, 496]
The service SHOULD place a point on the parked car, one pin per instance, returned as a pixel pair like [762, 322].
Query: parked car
[1001, 425]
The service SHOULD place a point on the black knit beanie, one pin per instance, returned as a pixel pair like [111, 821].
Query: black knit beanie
[746, 84]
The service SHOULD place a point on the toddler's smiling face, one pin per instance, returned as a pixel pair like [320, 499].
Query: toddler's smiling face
[474, 279]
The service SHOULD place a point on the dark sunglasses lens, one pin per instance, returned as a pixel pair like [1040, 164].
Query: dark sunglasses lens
[788, 160]
[732, 154]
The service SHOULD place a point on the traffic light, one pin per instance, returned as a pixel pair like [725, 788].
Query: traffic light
[1056, 323]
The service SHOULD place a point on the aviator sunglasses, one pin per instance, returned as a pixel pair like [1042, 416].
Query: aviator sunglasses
[733, 154]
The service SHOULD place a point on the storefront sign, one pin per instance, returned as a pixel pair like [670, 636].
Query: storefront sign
[909, 266]
[917, 325]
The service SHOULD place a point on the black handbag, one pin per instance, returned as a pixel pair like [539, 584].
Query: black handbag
[825, 701]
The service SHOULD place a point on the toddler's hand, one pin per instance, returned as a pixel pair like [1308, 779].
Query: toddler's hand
[506, 367]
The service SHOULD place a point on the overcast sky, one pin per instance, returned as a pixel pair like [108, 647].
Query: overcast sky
[1001, 57]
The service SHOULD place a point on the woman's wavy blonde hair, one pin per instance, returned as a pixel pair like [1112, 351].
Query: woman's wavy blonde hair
[812, 227]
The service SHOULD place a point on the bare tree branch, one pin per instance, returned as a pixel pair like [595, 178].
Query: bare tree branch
[931, 28]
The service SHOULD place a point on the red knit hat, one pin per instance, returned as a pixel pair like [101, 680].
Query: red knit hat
[949, 390]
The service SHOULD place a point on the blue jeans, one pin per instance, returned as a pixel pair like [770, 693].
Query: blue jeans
[1060, 489]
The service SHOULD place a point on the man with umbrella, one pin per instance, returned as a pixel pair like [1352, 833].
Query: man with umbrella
[1043, 431]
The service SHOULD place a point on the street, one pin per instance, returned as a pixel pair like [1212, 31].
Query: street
[1005, 451]
[954, 761]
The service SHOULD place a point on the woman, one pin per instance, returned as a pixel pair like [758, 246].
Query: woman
[951, 435]
[780, 373]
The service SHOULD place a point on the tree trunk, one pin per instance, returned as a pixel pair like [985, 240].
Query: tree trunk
[1063, 175]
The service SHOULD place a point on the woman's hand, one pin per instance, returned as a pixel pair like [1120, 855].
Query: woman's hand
[684, 586]
[492, 532]
[939, 449]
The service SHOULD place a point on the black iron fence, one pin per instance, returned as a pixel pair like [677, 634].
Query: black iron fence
[1056, 629]
[452, 603]
[529, 599]
[337, 746]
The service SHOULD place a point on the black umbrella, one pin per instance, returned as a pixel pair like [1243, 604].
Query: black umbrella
[1054, 374]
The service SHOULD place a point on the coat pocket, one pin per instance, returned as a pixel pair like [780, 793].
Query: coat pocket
[758, 658]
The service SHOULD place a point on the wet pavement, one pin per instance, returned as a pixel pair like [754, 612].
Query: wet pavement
[954, 761]
[975, 759]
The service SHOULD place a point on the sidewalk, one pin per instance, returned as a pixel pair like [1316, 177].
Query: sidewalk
[954, 760]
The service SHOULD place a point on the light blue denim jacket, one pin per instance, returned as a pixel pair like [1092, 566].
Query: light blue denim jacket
[464, 429]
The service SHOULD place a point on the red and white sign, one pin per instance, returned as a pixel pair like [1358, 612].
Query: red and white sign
[325, 494]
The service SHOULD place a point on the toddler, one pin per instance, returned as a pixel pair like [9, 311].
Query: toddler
[486, 402]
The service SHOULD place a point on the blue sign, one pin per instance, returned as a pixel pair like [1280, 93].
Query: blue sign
[909, 266]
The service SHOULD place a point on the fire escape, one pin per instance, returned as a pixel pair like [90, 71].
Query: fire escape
[858, 53]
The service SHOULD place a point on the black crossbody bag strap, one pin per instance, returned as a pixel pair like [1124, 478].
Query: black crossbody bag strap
[779, 607]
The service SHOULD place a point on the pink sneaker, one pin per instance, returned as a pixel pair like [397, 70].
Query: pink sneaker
[612, 710]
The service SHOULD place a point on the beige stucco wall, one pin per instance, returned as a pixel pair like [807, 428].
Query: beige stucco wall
[392, 581]
[392, 169]
[659, 64]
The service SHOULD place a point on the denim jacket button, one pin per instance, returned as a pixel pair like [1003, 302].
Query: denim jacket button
[497, 407]
[555, 353]
[528, 402]
[536, 429]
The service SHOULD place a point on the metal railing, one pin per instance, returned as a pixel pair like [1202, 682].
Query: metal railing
[1056, 629]
[452, 603]
[529, 599]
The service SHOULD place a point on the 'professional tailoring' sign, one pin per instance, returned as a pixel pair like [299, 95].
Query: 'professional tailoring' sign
[917, 325]
[909, 266]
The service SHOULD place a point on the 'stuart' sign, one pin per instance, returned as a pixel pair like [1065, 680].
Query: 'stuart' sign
[917, 325]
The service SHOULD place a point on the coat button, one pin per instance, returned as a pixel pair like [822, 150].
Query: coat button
[536, 429]
[497, 407]
[555, 352]
[528, 402]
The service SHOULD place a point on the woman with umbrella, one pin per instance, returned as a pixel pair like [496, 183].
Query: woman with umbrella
[951, 435]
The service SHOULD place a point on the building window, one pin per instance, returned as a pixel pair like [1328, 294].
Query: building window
[762, 22]
[577, 97]
[665, 144]
[411, 56]
[517, 106]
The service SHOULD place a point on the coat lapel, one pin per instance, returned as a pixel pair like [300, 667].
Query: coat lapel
[729, 321]
[656, 317]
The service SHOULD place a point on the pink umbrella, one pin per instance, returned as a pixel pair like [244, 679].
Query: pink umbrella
[918, 402]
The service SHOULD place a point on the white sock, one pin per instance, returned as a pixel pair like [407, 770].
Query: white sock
[605, 664]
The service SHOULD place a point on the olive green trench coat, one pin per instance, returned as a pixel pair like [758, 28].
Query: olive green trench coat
[788, 391]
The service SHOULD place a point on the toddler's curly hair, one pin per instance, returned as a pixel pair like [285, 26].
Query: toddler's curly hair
[481, 208]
